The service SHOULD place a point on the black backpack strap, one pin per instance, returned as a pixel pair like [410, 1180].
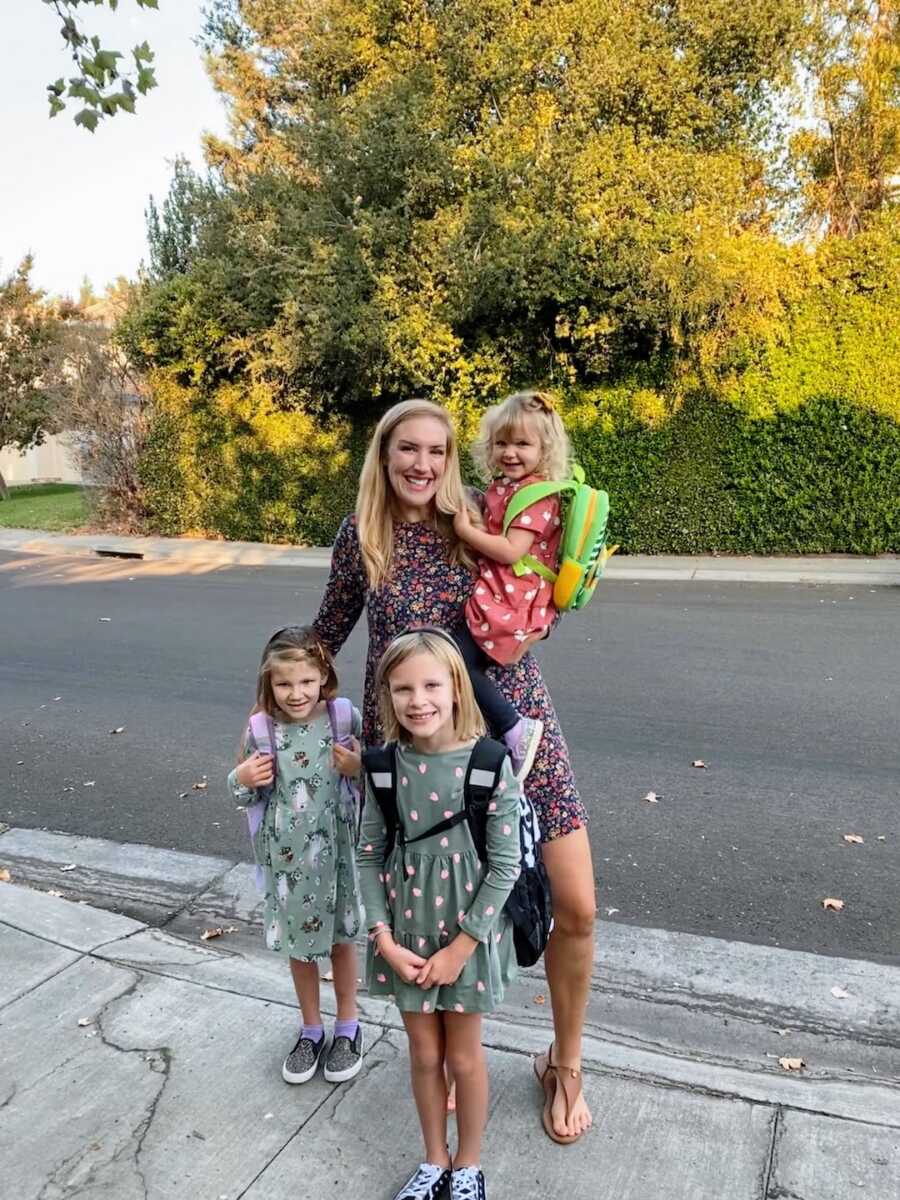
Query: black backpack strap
[482, 777]
[380, 766]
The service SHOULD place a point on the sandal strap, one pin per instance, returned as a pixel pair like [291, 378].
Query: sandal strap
[568, 1078]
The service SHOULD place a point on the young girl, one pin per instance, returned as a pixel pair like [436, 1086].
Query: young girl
[440, 942]
[306, 843]
[521, 441]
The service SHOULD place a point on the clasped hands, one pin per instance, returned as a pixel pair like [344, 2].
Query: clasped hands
[443, 967]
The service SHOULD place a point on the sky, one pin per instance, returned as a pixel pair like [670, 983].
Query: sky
[76, 200]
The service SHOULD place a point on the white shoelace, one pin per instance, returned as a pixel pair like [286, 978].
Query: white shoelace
[464, 1184]
[426, 1176]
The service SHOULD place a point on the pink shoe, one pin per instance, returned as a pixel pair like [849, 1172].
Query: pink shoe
[522, 742]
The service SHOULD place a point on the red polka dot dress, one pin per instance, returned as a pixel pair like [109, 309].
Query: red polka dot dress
[504, 608]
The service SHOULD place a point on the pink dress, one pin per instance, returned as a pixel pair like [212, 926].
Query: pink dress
[504, 608]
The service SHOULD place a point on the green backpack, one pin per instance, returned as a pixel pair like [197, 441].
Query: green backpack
[583, 552]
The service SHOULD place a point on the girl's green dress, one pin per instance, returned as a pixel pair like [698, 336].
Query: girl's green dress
[306, 844]
[427, 892]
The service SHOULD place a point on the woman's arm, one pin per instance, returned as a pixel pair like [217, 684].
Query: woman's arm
[345, 592]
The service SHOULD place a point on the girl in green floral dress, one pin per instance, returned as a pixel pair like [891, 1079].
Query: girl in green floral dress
[440, 942]
[306, 843]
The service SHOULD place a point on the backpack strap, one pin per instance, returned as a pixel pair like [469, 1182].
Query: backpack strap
[340, 714]
[380, 766]
[532, 493]
[482, 776]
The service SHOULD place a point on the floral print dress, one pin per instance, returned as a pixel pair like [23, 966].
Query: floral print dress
[306, 844]
[425, 893]
[426, 588]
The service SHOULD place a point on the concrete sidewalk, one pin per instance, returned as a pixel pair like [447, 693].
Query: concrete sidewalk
[141, 1062]
[825, 568]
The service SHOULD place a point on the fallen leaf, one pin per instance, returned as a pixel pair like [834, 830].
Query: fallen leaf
[20, 762]
[840, 993]
[89, 783]
[55, 698]
[268, 1116]
[211, 933]
[3, 827]
[831, 902]
[5, 876]
[231, 929]
[652, 798]
[68, 789]
[69, 867]
[201, 785]
[82, 1021]
[104, 618]
[183, 795]
[610, 911]
[540, 998]
[53, 892]
[881, 837]
[782, 1032]
[853, 838]
[698, 762]
[118, 729]
[791, 1064]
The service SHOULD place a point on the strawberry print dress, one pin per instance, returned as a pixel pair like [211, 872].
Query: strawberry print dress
[504, 608]
[427, 892]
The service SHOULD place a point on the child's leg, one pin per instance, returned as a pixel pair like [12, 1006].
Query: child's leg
[343, 967]
[465, 1057]
[306, 985]
[426, 1064]
[496, 709]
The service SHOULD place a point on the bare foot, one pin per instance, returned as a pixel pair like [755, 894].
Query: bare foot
[580, 1118]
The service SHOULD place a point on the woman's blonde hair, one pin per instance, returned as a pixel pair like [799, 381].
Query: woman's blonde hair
[374, 509]
[296, 643]
[468, 722]
[536, 411]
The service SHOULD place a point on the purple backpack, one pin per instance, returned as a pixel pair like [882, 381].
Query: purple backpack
[262, 736]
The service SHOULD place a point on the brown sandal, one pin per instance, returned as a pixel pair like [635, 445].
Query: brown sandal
[551, 1078]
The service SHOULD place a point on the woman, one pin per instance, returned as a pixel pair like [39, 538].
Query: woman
[398, 558]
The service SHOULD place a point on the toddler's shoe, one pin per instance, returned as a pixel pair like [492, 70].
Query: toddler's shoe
[300, 1065]
[522, 742]
[467, 1183]
[428, 1182]
[344, 1058]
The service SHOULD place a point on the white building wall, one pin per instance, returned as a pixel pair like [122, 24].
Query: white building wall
[51, 462]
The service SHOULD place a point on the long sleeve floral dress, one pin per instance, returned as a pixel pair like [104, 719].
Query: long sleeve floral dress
[430, 890]
[426, 588]
[306, 844]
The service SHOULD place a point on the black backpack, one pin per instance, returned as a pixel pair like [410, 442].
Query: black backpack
[528, 905]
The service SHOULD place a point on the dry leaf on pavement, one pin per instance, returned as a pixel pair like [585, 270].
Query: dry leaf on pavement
[853, 838]
[53, 892]
[540, 998]
[698, 762]
[211, 933]
[69, 867]
[82, 1021]
[104, 618]
[833, 903]
[201, 785]
[118, 729]
[840, 993]
[791, 1064]
[652, 798]
[5, 876]
[89, 783]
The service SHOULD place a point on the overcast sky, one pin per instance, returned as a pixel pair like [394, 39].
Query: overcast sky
[74, 199]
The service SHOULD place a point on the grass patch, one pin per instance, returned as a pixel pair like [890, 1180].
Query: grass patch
[55, 506]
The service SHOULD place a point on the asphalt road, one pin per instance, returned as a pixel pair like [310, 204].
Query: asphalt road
[788, 693]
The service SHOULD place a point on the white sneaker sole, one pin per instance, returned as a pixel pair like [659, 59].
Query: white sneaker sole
[534, 741]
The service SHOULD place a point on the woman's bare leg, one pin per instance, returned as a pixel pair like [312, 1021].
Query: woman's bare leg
[426, 1065]
[465, 1058]
[568, 960]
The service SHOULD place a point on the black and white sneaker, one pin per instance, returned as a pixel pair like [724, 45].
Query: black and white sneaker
[428, 1182]
[344, 1058]
[300, 1065]
[467, 1183]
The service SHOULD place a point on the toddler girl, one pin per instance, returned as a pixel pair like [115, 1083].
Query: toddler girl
[306, 842]
[440, 942]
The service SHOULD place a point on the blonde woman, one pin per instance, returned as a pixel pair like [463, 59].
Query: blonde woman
[399, 558]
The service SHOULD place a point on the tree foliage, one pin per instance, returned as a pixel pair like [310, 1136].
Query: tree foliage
[99, 82]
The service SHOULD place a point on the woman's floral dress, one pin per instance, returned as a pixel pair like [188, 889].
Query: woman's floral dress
[425, 893]
[425, 588]
[306, 844]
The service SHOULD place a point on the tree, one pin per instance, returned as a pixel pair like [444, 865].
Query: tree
[848, 163]
[31, 364]
[173, 231]
[99, 81]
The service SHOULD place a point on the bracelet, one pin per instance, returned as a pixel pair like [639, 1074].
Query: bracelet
[376, 933]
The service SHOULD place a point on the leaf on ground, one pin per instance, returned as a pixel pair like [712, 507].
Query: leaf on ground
[183, 795]
[540, 998]
[791, 1064]
[833, 903]
[3, 827]
[118, 729]
[55, 698]
[5, 876]
[201, 785]
[69, 867]
[610, 911]
[89, 783]
[53, 892]
[82, 1021]
[840, 993]
[211, 933]
[853, 838]
[104, 618]
[652, 798]
[20, 762]
[881, 837]
[698, 762]
[68, 789]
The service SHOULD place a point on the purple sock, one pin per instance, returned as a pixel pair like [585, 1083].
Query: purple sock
[314, 1032]
[346, 1029]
